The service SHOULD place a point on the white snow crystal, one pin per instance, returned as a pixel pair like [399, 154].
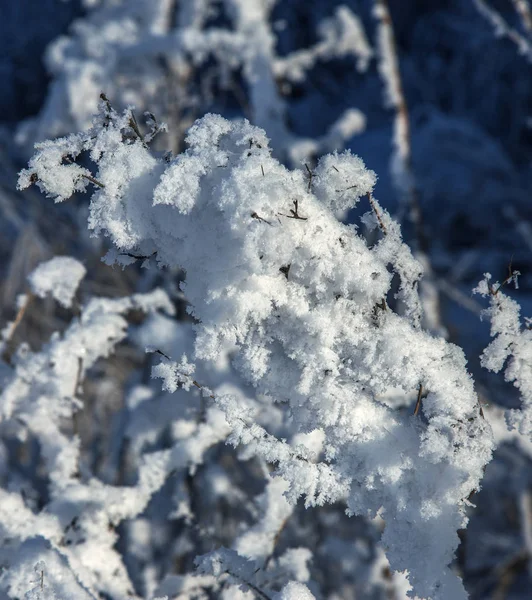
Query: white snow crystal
[59, 277]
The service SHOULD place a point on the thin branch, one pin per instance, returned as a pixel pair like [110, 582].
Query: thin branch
[13, 326]
[512, 276]
[294, 213]
[88, 177]
[254, 215]
[310, 177]
[419, 397]
[93, 180]
[503, 29]
[375, 209]
[78, 376]
[138, 256]
[396, 99]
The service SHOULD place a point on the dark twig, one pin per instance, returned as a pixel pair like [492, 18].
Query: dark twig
[135, 127]
[419, 397]
[377, 214]
[254, 215]
[310, 177]
[93, 180]
[512, 276]
[138, 256]
[295, 214]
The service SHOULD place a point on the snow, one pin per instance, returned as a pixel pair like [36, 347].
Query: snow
[59, 277]
[299, 300]
[294, 591]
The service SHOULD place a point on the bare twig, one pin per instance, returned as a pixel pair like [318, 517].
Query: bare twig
[254, 215]
[512, 276]
[135, 128]
[419, 397]
[294, 212]
[85, 176]
[138, 256]
[310, 177]
[93, 180]
[78, 376]
[375, 209]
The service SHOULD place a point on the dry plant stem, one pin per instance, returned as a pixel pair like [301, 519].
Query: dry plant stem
[404, 174]
[14, 326]
[503, 29]
[377, 214]
[135, 127]
[276, 539]
[402, 135]
[419, 396]
[93, 180]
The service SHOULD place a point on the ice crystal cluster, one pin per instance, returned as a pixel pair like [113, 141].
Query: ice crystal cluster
[322, 328]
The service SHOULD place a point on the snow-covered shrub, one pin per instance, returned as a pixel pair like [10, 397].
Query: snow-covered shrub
[176, 58]
[329, 361]
[511, 348]
[70, 523]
